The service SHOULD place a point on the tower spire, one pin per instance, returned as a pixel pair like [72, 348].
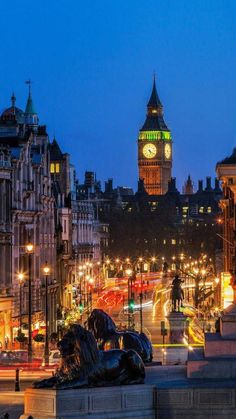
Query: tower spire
[31, 117]
[13, 100]
[154, 101]
[30, 110]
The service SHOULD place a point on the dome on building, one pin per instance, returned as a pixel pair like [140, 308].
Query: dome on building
[13, 113]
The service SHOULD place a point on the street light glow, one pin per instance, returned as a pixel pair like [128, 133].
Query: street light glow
[29, 248]
[46, 270]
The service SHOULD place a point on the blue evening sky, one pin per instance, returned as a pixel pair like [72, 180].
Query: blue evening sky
[92, 64]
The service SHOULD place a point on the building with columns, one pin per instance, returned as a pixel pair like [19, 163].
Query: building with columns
[26, 215]
[226, 172]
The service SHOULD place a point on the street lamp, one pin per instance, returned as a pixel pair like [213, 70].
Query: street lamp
[130, 300]
[21, 280]
[29, 251]
[141, 296]
[46, 271]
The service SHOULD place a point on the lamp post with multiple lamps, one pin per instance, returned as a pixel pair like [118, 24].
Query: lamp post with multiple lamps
[46, 271]
[29, 251]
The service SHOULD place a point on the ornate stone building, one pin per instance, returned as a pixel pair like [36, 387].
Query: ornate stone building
[226, 172]
[26, 214]
[155, 148]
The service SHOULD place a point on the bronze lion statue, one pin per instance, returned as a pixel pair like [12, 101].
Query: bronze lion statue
[106, 333]
[83, 365]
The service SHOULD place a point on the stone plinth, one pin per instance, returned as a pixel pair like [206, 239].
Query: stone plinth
[219, 357]
[217, 346]
[228, 323]
[133, 401]
[177, 321]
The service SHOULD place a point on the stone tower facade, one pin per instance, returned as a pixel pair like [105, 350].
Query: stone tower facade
[155, 148]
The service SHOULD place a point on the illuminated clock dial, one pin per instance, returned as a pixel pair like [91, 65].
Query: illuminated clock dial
[167, 151]
[149, 151]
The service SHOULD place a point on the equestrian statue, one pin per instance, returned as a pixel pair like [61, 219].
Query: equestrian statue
[177, 294]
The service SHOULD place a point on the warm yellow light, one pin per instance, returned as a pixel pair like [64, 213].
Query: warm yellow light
[128, 272]
[91, 280]
[203, 271]
[98, 263]
[140, 259]
[108, 261]
[87, 264]
[46, 270]
[117, 260]
[20, 277]
[217, 280]
[196, 270]
[81, 273]
[29, 248]
[127, 260]
[87, 277]
[153, 259]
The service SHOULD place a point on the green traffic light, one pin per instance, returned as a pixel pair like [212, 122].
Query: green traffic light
[131, 305]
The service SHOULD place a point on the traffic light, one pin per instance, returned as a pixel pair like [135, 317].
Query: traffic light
[131, 305]
[81, 307]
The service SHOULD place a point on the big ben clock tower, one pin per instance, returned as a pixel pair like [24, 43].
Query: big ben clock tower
[155, 148]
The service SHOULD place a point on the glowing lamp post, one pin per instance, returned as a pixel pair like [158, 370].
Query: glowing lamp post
[21, 281]
[29, 251]
[130, 300]
[46, 271]
[141, 296]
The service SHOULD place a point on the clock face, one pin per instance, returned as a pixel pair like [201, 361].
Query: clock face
[167, 151]
[149, 151]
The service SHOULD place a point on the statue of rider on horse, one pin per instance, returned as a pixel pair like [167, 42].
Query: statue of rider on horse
[177, 294]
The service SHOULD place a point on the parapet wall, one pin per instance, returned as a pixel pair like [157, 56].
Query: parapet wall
[139, 401]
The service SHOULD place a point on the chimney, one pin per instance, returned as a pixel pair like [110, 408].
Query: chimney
[208, 184]
[217, 185]
[200, 186]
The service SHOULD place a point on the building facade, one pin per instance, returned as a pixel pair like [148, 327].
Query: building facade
[155, 148]
[26, 215]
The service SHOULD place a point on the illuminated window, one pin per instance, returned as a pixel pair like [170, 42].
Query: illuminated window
[164, 241]
[57, 165]
[185, 209]
[173, 241]
[52, 168]
[201, 209]
[208, 209]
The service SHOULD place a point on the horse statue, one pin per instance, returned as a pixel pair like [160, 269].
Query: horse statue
[177, 294]
[105, 331]
[83, 365]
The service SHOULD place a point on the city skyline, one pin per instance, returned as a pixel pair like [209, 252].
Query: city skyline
[92, 99]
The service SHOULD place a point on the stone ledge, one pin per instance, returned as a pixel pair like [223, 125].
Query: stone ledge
[105, 402]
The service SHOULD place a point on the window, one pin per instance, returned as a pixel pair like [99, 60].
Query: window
[201, 209]
[55, 168]
[173, 241]
[208, 209]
